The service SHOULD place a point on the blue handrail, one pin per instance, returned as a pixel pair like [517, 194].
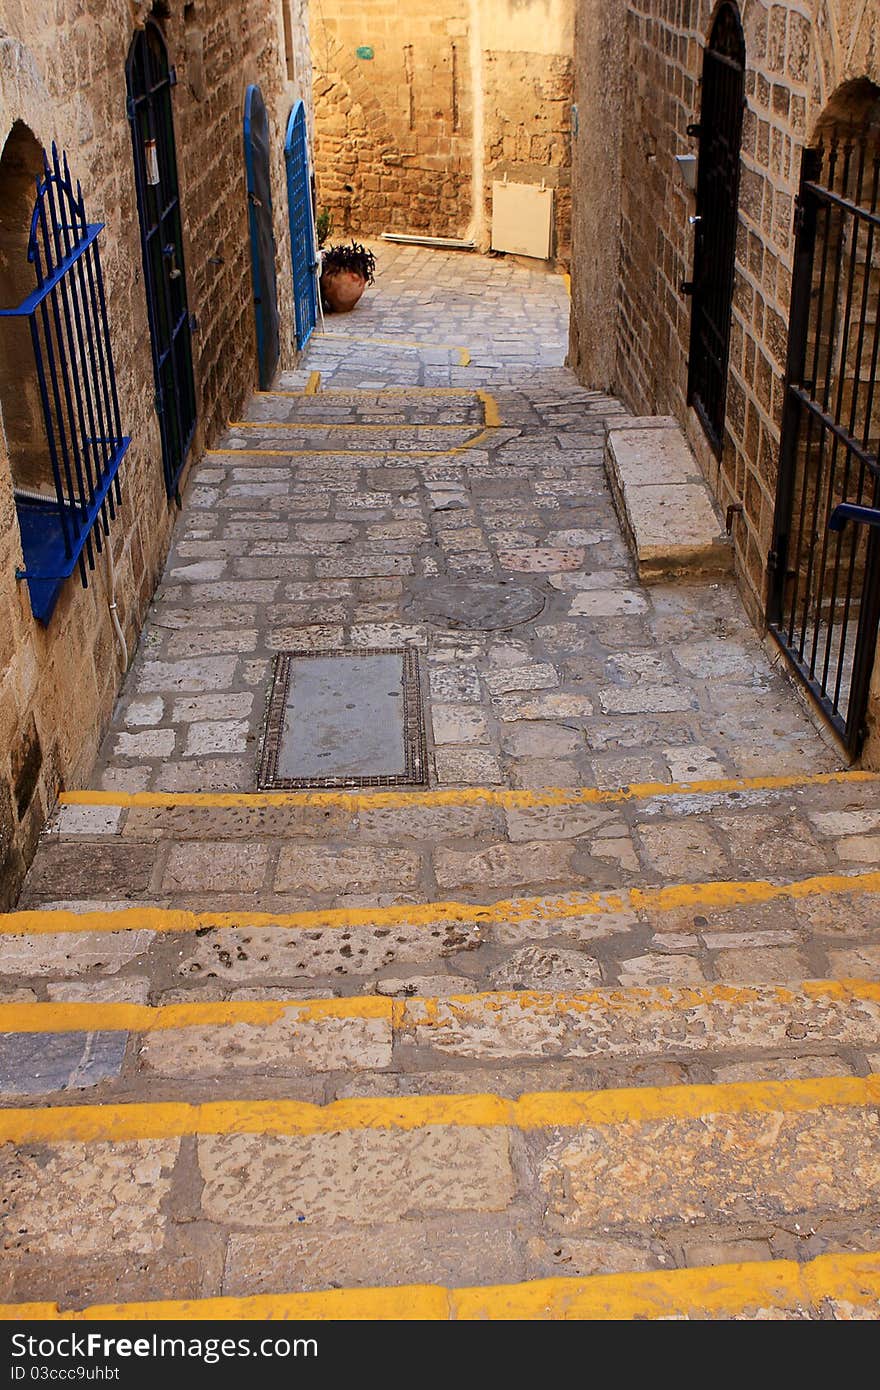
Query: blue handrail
[848, 511]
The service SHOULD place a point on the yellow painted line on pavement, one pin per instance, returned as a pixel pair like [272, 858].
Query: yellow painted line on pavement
[464, 357]
[313, 385]
[722, 1290]
[491, 408]
[478, 439]
[336, 425]
[513, 798]
[143, 1018]
[108, 1123]
[418, 1011]
[722, 893]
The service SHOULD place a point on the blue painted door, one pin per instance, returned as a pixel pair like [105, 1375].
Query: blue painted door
[256, 158]
[302, 224]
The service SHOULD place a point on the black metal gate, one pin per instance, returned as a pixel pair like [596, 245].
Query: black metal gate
[720, 134]
[824, 604]
[259, 191]
[150, 79]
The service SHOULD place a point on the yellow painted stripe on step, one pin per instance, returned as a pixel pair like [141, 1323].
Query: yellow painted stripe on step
[406, 1303]
[379, 391]
[472, 443]
[104, 1123]
[723, 1290]
[513, 798]
[720, 1290]
[464, 357]
[144, 1018]
[313, 385]
[336, 425]
[37, 921]
[491, 408]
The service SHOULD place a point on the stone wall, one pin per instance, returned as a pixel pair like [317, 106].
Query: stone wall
[62, 77]
[452, 97]
[631, 328]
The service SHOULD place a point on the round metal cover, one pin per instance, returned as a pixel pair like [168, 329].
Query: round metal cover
[488, 605]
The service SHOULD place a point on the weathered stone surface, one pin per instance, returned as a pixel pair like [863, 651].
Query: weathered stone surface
[72, 953]
[526, 676]
[89, 870]
[400, 1254]
[295, 1042]
[269, 954]
[540, 861]
[745, 1166]
[547, 967]
[86, 1199]
[468, 766]
[320, 869]
[215, 866]
[33, 1064]
[458, 724]
[541, 740]
[361, 1176]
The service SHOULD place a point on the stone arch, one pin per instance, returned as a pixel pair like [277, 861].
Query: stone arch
[21, 163]
[853, 108]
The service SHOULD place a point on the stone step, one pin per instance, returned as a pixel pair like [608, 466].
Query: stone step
[327, 849]
[329, 1048]
[677, 934]
[665, 507]
[390, 405]
[840, 1287]
[421, 440]
[246, 1197]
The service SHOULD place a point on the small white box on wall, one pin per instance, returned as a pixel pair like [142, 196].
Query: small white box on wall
[522, 219]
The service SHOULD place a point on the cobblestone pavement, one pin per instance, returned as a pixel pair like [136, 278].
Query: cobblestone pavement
[345, 546]
[517, 1025]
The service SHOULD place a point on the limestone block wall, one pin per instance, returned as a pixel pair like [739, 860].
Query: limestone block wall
[62, 77]
[631, 327]
[454, 96]
[393, 131]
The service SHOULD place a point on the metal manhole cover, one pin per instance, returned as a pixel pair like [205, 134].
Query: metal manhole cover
[345, 719]
[488, 605]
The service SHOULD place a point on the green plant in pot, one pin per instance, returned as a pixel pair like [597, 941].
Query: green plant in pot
[345, 273]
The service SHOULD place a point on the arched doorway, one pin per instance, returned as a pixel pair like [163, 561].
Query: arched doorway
[720, 136]
[149, 81]
[824, 600]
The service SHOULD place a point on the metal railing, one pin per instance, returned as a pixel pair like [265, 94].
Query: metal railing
[63, 529]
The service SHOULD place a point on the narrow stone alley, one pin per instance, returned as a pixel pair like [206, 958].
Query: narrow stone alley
[582, 1022]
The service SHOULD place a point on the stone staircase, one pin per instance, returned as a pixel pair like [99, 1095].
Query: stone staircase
[500, 1093]
[490, 1049]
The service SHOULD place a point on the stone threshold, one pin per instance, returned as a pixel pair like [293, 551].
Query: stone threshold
[663, 501]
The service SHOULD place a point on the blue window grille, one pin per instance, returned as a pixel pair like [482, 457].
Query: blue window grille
[63, 529]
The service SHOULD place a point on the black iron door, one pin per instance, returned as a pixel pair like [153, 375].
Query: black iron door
[259, 192]
[824, 602]
[150, 79]
[720, 134]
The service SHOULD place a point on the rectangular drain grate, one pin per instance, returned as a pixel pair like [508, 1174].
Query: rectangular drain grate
[345, 719]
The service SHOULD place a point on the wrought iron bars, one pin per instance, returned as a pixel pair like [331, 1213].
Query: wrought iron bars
[67, 317]
[824, 604]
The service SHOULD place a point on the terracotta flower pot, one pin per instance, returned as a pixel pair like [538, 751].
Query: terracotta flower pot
[341, 289]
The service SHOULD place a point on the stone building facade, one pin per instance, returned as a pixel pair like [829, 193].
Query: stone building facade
[63, 80]
[639, 70]
[420, 109]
